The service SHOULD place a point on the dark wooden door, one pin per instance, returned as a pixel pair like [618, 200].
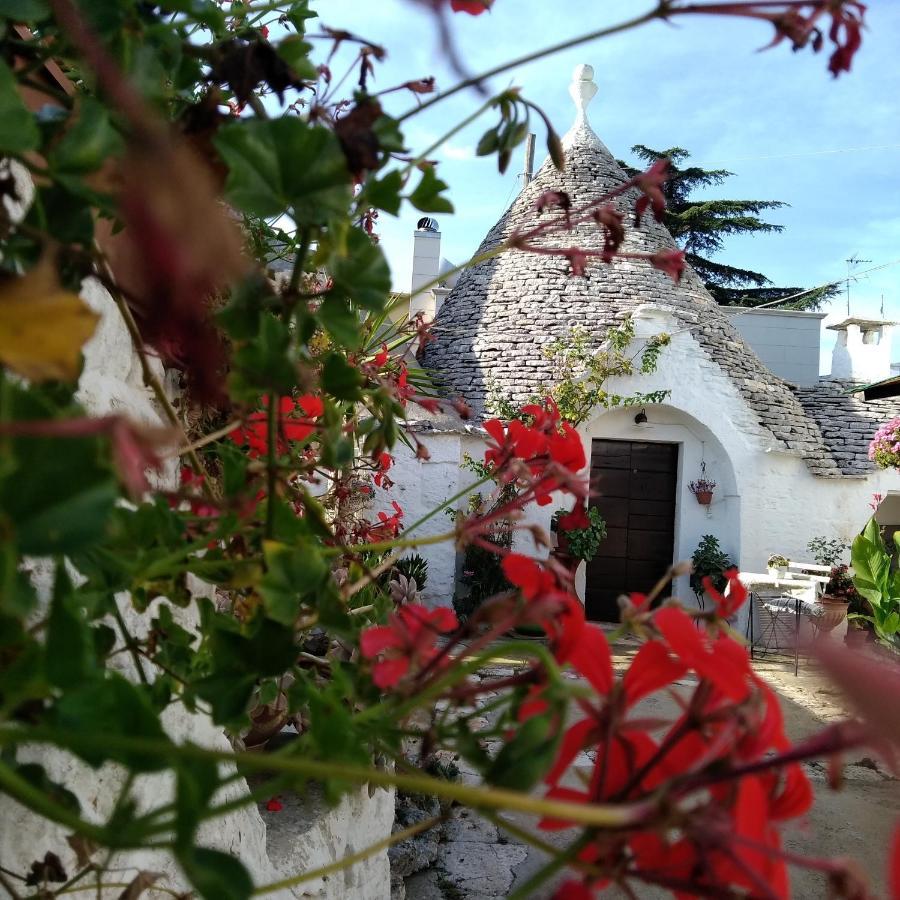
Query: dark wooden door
[635, 493]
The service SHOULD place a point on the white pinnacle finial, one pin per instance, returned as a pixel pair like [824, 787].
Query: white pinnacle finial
[582, 90]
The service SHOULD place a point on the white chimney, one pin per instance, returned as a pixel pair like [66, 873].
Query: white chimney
[425, 268]
[863, 350]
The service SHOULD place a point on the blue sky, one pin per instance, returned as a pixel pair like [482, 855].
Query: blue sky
[772, 118]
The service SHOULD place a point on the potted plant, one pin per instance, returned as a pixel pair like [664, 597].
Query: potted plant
[778, 565]
[578, 532]
[709, 560]
[838, 594]
[703, 489]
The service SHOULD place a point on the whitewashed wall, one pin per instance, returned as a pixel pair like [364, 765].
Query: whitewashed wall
[112, 382]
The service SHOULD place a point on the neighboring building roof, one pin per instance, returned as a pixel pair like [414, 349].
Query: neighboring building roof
[890, 387]
[494, 323]
[847, 423]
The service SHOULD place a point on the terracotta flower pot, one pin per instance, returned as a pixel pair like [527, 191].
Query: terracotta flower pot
[834, 612]
[704, 498]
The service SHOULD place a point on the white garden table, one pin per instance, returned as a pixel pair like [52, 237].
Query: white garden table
[795, 585]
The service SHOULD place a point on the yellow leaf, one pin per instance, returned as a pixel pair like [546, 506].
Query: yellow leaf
[42, 326]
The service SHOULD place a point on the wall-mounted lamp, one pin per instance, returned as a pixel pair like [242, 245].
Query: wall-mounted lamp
[641, 418]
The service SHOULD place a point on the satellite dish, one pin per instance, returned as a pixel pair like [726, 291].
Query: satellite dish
[426, 223]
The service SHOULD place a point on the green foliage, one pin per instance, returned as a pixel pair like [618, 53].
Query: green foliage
[878, 581]
[581, 371]
[583, 543]
[701, 228]
[414, 567]
[826, 551]
[482, 572]
[709, 560]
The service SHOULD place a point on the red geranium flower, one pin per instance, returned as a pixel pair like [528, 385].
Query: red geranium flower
[255, 433]
[406, 643]
[724, 663]
[472, 7]
[274, 805]
[733, 599]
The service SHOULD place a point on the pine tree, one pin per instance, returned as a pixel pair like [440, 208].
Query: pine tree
[701, 226]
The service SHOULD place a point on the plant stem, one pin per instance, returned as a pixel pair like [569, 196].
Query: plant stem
[657, 13]
[620, 815]
[353, 858]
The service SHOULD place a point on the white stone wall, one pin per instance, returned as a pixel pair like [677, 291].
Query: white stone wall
[787, 341]
[112, 382]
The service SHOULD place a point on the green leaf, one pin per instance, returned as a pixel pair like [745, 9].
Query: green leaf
[296, 52]
[70, 643]
[299, 13]
[112, 706]
[556, 151]
[267, 648]
[24, 10]
[197, 782]
[18, 130]
[216, 875]
[489, 143]
[90, 142]
[384, 193]
[265, 364]
[293, 573]
[360, 271]
[74, 522]
[426, 197]
[522, 761]
[341, 322]
[281, 165]
[340, 379]
[36, 775]
[227, 694]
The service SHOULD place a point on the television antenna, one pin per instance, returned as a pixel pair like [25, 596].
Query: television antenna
[852, 263]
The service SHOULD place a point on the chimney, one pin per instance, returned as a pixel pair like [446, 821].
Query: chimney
[862, 353]
[528, 173]
[425, 268]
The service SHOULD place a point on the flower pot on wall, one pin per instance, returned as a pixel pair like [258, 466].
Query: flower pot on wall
[704, 498]
[778, 571]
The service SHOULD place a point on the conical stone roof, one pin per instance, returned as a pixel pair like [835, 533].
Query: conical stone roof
[492, 327]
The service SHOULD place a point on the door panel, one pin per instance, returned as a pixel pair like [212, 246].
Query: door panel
[635, 483]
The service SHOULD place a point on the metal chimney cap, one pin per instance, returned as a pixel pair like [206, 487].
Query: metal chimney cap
[426, 223]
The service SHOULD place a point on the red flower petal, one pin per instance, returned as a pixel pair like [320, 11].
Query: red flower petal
[387, 672]
[523, 572]
[379, 638]
[573, 890]
[312, 406]
[651, 669]
[894, 862]
[274, 805]
[592, 659]
[472, 7]
[581, 735]
[796, 797]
